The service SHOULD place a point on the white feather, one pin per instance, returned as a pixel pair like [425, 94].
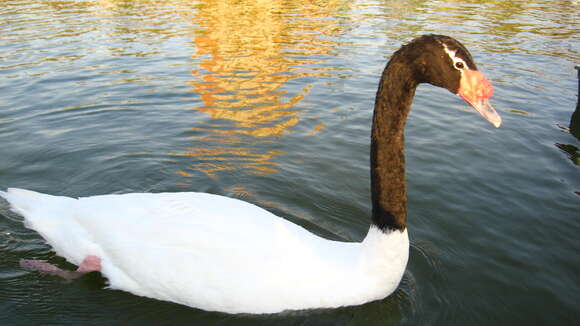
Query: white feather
[214, 253]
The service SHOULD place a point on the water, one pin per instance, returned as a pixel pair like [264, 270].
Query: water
[270, 101]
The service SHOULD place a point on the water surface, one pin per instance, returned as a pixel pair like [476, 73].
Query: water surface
[271, 101]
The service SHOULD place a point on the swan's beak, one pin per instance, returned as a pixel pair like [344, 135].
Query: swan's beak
[476, 90]
[487, 111]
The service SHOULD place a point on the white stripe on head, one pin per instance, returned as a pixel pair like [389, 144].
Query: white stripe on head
[458, 63]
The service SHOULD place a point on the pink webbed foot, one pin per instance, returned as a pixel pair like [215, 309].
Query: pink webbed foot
[89, 264]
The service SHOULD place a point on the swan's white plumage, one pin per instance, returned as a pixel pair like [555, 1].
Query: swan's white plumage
[213, 252]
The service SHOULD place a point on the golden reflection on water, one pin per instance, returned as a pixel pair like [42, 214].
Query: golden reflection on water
[214, 160]
[248, 52]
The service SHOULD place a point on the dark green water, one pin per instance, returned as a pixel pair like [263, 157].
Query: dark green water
[270, 101]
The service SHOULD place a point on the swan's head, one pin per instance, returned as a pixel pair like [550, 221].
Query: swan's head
[444, 62]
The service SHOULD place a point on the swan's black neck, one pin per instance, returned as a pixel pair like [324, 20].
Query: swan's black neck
[392, 105]
[429, 59]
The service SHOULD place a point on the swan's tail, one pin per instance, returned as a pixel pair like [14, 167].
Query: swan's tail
[53, 218]
[26, 202]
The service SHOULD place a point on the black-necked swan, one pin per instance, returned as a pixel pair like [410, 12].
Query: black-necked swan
[222, 254]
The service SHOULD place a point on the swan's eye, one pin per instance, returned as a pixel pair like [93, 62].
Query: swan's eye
[459, 65]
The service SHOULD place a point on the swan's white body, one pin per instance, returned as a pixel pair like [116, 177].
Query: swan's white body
[214, 253]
